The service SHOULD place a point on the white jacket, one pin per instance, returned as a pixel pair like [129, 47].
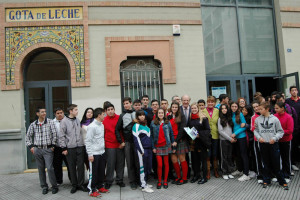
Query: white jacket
[94, 140]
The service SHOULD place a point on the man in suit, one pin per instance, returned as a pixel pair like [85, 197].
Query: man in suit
[186, 110]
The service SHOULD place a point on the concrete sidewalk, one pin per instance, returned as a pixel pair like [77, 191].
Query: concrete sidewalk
[26, 186]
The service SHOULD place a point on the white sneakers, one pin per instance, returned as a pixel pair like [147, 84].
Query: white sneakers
[295, 168]
[237, 173]
[225, 177]
[147, 189]
[244, 178]
[287, 180]
[252, 174]
[274, 179]
[260, 181]
[230, 176]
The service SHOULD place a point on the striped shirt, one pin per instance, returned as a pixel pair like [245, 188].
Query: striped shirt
[44, 134]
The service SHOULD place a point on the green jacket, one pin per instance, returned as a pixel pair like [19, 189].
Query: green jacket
[213, 122]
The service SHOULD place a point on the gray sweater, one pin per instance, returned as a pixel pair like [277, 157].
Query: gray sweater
[268, 128]
[94, 141]
[225, 132]
[69, 133]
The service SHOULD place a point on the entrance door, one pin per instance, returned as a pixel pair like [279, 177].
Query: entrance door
[46, 84]
[288, 80]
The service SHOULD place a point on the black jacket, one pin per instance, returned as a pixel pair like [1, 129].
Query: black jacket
[125, 124]
[204, 140]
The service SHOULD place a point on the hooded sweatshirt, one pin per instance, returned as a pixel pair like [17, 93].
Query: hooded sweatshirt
[94, 141]
[287, 124]
[268, 128]
[69, 134]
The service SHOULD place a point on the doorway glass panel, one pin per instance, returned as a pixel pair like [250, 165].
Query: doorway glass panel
[219, 87]
[60, 98]
[37, 98]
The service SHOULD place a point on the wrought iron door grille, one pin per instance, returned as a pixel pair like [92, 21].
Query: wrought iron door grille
[141, 78]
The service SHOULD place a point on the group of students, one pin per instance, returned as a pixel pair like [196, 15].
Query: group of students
[247, 140]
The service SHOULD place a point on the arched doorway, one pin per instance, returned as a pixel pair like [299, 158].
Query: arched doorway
[47, 84]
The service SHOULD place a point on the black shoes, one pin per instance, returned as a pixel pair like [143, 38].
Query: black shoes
[54, 190]
[83, 189]
[202, 181]
[175, 181]
[45, 191]
[73, 190]
[195, 178]
[121, 184]
[181, 182]
[133, 186]
[158, 186]
[165, 185]
[107, 186]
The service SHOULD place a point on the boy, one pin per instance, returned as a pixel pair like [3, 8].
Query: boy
[164, 104]
[125, 124]
[113, 150]
[71, 142]
[44, 133]
[95, 149]
[145, 101]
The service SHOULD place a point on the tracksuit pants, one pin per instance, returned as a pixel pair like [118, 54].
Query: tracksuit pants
[271, 160]
[75, 158]
[285, 153]
[132, 162]
[97, 173]
[242, 156]
[145, 163]
[115, 162]
[227, 165]
[259, 164]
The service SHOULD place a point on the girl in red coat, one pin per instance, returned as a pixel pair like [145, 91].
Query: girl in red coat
[287, 124]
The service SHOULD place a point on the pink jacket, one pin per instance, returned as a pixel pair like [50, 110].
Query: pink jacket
[287, 124]
[253, 118]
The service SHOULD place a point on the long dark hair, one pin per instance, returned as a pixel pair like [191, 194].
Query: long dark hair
[84, 119]
[250, 113]
[156, 119]
[225, 118]
[178, 113]
[140, 113]
[237, 113]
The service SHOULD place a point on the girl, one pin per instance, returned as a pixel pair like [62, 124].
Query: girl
[259, 166]
[212, 115]
[248, 113]
[287, 124]
[162, 138]
[177, 121]
[268, 132]
[143, 145]
[225, 125]
[87, 119]
[242, 103]
[239, 133]
[200, 151]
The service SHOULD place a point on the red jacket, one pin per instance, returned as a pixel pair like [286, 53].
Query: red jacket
[109, 131]
[253, 118]
[287, 124]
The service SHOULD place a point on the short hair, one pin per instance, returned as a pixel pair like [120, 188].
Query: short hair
[292, 87]
[71, 107]
[211, 98]
[107, 105]
[280, 104]
[145, 96]
[126, 99]
[257, 94]
[174, 97]
[278, 96]
[255, 102]
[164, 100]
[57, 109]
[98, 111]
[201, 101]
[154, 100]
[274, 93]
[137, 101]
[265, 105]
[222, 96]
[187, 96]
[39, 108]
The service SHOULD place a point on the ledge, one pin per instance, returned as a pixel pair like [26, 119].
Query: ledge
[10, 134]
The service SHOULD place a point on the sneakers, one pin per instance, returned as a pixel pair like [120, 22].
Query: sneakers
[292, 174]
[252, 174]
[274, 179]
[45, 190]
[230, 176]
[285, 186]
[237, 173]
[147, 189]
[225, 177]
[259, 181]
[295, 168]
[103, 190]
[244, 178]
[54, 190]
[95, 194]
[287, 180]
[149, 186]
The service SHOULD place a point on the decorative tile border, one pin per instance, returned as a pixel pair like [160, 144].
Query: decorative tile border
[19, 39]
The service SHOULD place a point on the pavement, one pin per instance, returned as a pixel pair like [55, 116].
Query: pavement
[26, 186]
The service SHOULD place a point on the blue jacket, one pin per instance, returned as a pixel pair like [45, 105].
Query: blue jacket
[141, 137]
[167, 131]
[237, 129]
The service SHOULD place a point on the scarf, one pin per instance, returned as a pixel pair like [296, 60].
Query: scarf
[195, 116]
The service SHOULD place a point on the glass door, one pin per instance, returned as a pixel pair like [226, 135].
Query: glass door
[288, 80]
